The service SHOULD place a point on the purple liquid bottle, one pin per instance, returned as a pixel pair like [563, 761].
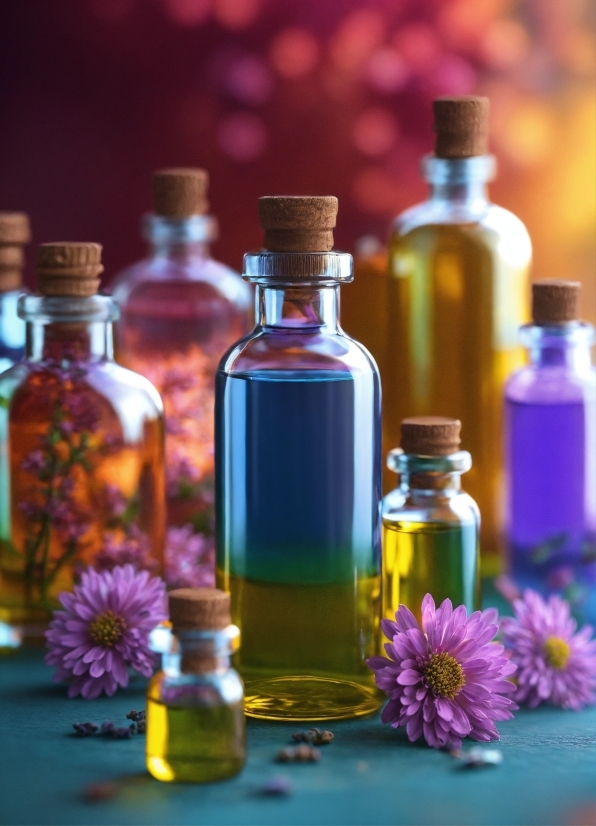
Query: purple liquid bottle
[551, 453]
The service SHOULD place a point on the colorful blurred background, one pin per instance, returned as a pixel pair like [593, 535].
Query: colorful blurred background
[309, 96]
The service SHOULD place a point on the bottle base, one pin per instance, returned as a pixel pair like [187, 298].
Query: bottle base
[192, 771]
[309, 698]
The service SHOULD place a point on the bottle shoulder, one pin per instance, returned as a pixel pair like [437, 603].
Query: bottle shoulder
[172, 687]
[197, 277]
[550, 384]
[264, 349]
[456, 509]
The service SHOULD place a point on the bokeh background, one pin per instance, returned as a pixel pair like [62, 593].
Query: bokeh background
[294, 97]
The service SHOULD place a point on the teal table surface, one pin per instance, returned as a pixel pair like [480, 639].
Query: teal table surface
[370, 774]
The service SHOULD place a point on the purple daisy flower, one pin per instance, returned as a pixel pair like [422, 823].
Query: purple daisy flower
[554, 664]
[446, 681]
[104, 630]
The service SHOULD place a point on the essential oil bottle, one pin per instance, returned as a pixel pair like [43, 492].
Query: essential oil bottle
[457, 293]
[430, 526]
[298, 478]
[180, 311]
[195, 709]
[550, 452]
[81, 456]
[14, 234]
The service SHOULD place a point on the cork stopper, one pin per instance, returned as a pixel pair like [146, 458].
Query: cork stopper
[180, 193]
[14, 233]
[298, 223]
[461, 126]
[430, 435]
[199, 609]
[555, 301]
[69, 268]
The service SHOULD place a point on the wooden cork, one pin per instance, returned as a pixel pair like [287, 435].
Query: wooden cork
[69, 268]
[14, 233]
[297, 223]
[199, 609]
[555, 301]
[180, 193]
[430, 435]
[461, 126]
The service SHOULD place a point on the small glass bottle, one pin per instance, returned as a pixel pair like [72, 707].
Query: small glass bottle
[430, 526]
[14, 233]
[298, 479]
[457, 293]
[550, 453]
[195, 705]
[81, 458]
[180, 311]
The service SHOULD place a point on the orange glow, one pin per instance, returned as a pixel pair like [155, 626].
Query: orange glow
[375, 131]
[357, 37]
[294, 52]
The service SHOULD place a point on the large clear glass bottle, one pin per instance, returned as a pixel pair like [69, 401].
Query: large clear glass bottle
[195, 704]
[14, 233]
[430, 526]
[457, 296]
[81, 461]
[180, 310]
[550, 453]
[298, 479]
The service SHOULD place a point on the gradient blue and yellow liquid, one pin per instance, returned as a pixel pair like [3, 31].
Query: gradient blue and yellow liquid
[298, 481]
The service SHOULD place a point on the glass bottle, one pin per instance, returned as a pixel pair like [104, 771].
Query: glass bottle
[430, 526]
[298, 479]
[457, 294]
[180, 310]
[81, 467]
[195, 704]
[14, 233]
[550, 453]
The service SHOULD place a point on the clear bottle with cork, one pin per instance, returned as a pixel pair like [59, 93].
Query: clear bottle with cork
[82, 467]
[298, 478]
[180, 311]
[550, 452]
[430, 526]
[14, 234]
[195, 711]
[458, 288]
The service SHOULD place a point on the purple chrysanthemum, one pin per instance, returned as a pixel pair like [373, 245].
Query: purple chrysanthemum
[554, 664]
[104, 630]
[445, 681]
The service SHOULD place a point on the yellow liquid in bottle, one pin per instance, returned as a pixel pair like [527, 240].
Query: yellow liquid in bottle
[194, 744]
[304, 646]
[457, 296]
[439, 558]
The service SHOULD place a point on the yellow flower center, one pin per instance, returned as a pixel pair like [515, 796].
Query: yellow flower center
[444, 675]
[557, 652]
[107, 629]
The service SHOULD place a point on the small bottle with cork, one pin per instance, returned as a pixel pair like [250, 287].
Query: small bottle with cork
[180, 311]
[430, 526]
[81, 467]
[550, 453]
[14, 234]
[195, 704]
[458, 291]
[298, 476]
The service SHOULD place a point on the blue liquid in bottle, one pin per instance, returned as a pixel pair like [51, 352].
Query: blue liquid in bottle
[298, 469]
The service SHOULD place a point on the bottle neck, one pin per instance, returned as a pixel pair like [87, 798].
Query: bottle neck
[430, 485]
[68, 328]
[201, 652]
[180, 240]
[459, 181]
[298, 308]
[562, 345]
[426, 477]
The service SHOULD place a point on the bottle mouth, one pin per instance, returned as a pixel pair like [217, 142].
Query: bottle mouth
[221, 643]
[196, 229]
[476, 169]
[409, 463]
[54, 309]
[294, 268]
[562, 336]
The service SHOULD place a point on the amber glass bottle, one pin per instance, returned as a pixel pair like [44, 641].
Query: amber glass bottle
[457, 295]
[81, 465]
